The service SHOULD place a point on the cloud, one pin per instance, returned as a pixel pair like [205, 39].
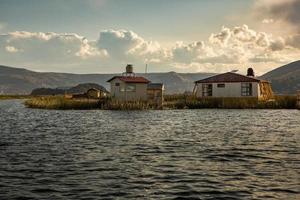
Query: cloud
[278, 44]
[238, 46]
[267, 21]
[125, 45]
[293, 41]
[231, 48]
[189, 53]
[281, 10]
[41, 48]
[11, 49]
[222, 37]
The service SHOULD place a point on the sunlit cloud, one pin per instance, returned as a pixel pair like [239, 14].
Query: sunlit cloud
[236, 47]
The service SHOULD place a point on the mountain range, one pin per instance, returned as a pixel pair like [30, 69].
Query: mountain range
[285, 79]
[23, 81]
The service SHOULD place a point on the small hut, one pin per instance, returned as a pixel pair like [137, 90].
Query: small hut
[93, 93]
[155, 93]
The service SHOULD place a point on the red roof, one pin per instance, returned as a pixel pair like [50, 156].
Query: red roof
[131, 79]
[228, 78]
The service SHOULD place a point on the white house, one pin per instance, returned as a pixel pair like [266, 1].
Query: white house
[129, 87]
[233, 85]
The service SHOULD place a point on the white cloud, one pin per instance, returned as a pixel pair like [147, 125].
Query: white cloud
[267, 21]
[189, 53]
[11, 49]
[231, 48]
[236, 47]
[125, 45]
[221, 38]
[38, 48]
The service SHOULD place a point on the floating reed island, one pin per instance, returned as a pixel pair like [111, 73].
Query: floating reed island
[170, 102]
[131, 92]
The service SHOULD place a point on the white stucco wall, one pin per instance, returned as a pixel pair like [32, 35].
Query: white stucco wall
[230, 90]
[140, 92]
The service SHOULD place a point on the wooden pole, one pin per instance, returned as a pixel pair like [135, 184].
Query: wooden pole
[298, 99]
[194, 88]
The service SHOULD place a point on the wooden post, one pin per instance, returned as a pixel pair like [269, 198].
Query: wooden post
[298, 99]
[194, 89]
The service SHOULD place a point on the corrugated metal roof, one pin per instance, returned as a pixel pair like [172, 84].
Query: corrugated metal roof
[131, 79]
[228, 77]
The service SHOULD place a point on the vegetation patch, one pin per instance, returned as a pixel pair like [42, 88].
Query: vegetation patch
[62, 103]
[59, 102]
[171, 102]
[191, 102]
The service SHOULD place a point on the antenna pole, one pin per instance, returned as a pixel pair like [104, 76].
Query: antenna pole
[146, 68]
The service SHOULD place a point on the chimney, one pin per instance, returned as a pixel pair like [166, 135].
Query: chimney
[250, 72]
[129, 69]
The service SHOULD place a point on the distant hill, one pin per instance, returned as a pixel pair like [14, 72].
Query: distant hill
[285, 79]
[78, 89]
[22, 81]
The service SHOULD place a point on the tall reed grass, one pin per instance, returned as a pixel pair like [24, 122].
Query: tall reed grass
[191, 102]
[59, 102]
[171, 102]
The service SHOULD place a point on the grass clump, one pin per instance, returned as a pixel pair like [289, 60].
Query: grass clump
[59, 102]
[125, 105]
[192, 102]
[62, 103]
[280, 102]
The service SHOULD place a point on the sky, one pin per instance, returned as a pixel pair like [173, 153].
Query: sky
[102, 36]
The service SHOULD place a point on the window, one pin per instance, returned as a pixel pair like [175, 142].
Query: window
[206, 90]
[221, 85]
[117, 84]
[246, 89]
[122, 88]
[130, 88]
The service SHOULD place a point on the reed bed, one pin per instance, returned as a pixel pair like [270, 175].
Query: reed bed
[191, 102]
[62, 103]
[171, 102]
[130, 105]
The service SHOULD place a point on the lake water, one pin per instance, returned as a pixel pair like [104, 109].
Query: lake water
[171, 154]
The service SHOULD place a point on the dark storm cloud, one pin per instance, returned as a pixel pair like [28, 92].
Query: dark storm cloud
[286, 10]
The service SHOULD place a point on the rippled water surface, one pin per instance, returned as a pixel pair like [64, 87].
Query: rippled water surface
[178, 154]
